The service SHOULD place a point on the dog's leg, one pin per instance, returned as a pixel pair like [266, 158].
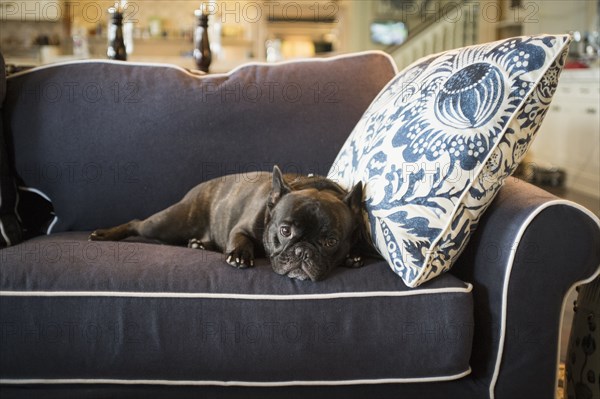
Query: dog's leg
[117, 233]
[170, 226]
[240, 250]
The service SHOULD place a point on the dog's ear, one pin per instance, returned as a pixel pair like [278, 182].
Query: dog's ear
[278, 189]
[354, 198]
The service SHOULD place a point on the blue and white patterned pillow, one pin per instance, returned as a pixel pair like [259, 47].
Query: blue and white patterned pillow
[437, 143]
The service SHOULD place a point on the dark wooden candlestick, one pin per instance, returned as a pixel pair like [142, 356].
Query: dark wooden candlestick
[202, 53]
[116, 45]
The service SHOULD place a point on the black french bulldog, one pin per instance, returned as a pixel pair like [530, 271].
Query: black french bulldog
[305, 225]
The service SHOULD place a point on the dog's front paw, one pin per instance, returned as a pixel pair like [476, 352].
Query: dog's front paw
[240, 251]
[353, 261]
[240, 258]
[195, 243]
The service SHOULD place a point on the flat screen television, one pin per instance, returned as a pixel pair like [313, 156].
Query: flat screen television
[388, 32]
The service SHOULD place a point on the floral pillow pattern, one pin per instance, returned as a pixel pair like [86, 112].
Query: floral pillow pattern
[437, 143]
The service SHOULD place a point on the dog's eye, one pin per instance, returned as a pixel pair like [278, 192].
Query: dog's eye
[285, 231]
[330, 242]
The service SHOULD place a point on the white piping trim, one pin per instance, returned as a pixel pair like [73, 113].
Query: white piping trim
[198, 74]
[15, 211]
[2, 229]
[36, 191]
[4, 235]
[17, 202]
[54, 221]
[208, 295]
[235, 383]
[52, 224]
[507, 276]
[44, 196]
[103, 61]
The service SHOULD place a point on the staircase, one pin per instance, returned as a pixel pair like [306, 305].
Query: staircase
[438, 26]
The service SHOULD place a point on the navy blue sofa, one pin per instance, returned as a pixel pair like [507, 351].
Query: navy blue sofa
[96, 143]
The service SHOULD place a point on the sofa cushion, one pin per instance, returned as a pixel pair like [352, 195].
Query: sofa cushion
[108, 142]
[438, 142]
[10, 228]
[130, 312]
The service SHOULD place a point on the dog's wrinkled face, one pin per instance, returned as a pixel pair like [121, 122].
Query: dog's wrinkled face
[309, 232]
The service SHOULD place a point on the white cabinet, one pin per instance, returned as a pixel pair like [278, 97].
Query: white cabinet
[570, 135]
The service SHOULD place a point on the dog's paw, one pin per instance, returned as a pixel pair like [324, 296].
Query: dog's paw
[240, 251]
[240, 259]
[195, 243]
[353, 261]
[99, 235]
[117, 233]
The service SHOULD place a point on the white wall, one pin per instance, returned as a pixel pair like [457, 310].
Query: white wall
[570, 136]
[559, 16]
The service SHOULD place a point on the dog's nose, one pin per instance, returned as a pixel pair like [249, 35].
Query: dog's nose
[303, 253]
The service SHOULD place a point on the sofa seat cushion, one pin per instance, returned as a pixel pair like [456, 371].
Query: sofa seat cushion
[75, 311]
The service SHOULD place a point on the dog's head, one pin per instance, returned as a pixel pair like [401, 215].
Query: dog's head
[311, 225]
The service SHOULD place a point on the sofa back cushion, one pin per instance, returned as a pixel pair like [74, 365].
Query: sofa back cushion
[107, 142]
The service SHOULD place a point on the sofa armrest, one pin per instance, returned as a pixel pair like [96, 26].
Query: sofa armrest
[529, 251]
